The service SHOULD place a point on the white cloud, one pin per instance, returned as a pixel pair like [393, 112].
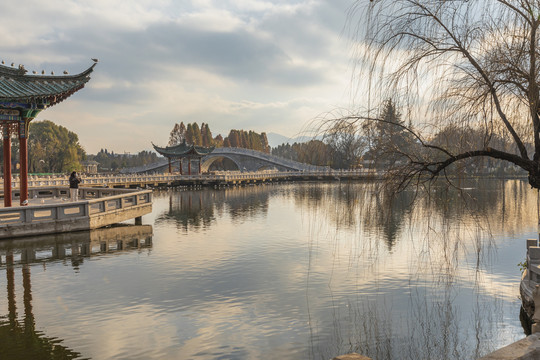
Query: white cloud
[258, 65]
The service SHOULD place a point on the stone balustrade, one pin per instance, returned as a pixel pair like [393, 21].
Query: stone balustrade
[50, 211]
[218, 177]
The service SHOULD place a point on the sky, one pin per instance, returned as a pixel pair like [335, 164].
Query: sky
[266, 66]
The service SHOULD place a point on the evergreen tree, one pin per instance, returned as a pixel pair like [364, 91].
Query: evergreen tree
[388, 138]
[197, 137]
[189, 134]
[218, 141]
[206, 134]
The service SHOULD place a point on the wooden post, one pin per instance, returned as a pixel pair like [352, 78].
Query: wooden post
[23, 151]
[180, 165]
[7, 166]
[170, 166]
[200, 166]
[189, 166]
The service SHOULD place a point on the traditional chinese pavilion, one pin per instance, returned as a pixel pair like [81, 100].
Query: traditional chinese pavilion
[184, 151]
[22, 98]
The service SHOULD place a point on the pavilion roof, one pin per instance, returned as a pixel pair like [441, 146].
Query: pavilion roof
[183, 149]
[18, 86]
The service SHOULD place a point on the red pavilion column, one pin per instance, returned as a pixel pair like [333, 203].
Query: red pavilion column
[180, 166]
[7, 166]
[189, 166]
[199, 166]
[170, 166]
[23, 151]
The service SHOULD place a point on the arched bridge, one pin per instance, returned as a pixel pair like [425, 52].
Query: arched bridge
[244, 159]
[252, 160]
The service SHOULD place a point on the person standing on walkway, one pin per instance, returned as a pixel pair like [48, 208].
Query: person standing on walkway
[74, 181]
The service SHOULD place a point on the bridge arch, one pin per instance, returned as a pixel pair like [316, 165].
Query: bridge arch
[208, 160]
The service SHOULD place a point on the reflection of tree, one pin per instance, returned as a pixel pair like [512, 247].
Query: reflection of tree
[351, 204]
[371, 325]
[193, 210]
[444, 234]
[189, 209]
[247, 202]
[368, 205]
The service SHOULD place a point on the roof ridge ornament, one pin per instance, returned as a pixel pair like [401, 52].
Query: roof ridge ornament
[22, 70]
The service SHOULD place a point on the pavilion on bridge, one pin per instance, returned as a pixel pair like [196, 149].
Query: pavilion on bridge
[22, 98]
[184, 151]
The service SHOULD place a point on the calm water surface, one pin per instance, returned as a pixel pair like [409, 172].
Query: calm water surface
[293, 271]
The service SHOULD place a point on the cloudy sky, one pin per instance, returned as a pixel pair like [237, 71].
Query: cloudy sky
[235, 64]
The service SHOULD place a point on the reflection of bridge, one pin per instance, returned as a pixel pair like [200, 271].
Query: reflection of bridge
[244, 159]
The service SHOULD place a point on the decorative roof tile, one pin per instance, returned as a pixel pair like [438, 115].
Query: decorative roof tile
[17, 86]
[183, 149]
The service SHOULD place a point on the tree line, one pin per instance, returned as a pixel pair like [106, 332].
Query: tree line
[202, 136]
[55, 149]
[387, 142]
[109, 161]
[343, 146]
[51, 149]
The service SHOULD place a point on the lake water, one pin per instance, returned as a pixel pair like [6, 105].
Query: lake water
[289, 271]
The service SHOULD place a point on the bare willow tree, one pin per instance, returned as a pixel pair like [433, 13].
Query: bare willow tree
[456, 66]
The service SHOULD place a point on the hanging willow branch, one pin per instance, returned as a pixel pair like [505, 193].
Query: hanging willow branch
[466, 74]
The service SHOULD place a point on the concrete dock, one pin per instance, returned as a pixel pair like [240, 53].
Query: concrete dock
[50, 210]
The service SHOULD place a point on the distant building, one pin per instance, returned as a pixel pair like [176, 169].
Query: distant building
[90, 166]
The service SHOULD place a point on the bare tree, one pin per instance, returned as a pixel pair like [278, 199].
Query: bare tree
[346, 144]
[178, 134]
[452, 64]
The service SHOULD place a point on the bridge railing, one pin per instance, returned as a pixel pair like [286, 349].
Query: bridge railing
[139, 179]
[269, 157]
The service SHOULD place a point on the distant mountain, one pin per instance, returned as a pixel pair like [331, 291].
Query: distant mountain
[275, 140]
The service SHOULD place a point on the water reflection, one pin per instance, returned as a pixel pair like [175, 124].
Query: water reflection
[199, 209]
[19, 338]
[443, 264]
[293, 271]
[76, 246]
[437, 287]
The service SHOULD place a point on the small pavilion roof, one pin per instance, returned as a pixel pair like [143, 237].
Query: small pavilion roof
[18, 86]
[183, 149]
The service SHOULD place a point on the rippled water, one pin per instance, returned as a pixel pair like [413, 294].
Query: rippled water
[292, 271]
